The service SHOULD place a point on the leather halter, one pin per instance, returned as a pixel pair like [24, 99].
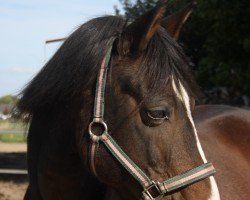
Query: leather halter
[151, 189]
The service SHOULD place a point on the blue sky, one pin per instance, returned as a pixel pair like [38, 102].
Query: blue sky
[26, 24]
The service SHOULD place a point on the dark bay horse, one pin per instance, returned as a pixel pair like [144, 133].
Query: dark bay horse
[149, 100]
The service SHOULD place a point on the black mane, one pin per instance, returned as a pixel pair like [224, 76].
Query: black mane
[73, 69]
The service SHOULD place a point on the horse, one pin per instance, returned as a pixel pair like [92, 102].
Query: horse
[224, 132]
[145, 143]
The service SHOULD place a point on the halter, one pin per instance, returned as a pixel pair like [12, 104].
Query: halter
[151, 189]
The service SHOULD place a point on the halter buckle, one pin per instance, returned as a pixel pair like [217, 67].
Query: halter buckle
[153, 188]
[94, 137]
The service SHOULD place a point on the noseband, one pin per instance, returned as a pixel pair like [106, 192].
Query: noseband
[151, 189]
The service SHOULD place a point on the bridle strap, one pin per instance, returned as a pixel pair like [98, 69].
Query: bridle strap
[125, 161]
[166, 187]
[92, 155]
[100, 86]
[189, 177]
[99, 104]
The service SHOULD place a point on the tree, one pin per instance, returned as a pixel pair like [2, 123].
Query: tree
[8, 99]
[217, 39]
[135, 9]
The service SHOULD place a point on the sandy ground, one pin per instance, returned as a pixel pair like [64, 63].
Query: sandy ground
[12, 187]
[12, 147]
[12, 190]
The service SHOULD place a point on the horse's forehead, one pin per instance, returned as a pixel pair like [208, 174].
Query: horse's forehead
[153, 90]
[140, 75]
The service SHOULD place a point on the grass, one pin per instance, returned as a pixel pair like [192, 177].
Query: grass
[10, 125]
[12, 131]
[13, 138]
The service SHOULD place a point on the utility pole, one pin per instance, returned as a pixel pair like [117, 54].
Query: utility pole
[52, 41]
[55, 40]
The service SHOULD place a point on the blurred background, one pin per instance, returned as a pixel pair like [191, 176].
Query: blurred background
[216, 38]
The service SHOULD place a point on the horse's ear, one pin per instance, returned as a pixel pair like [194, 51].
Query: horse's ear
[174, 22]
[136, 35]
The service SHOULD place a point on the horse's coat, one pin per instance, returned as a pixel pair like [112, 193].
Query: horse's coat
[224, 132]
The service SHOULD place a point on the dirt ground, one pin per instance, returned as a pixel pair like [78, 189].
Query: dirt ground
[12, 147]
[12, 190]
[12, 156]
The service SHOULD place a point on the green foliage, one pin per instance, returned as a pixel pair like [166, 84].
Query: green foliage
[218, 35]
[13, 138]
[217, 39]
[8, 99]
[136, 8]
[11, 125]
[12, 131]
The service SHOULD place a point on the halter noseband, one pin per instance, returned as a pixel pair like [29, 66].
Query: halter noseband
[151, 189]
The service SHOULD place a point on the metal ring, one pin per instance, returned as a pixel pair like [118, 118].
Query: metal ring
[97, 137]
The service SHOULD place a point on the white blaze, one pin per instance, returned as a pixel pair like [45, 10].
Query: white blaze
[184, 98]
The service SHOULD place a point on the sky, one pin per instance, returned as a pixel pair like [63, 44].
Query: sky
[25, 25]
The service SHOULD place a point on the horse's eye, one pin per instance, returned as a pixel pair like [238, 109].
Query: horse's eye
[157, 114]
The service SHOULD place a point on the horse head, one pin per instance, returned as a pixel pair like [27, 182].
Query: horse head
[149, 97]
